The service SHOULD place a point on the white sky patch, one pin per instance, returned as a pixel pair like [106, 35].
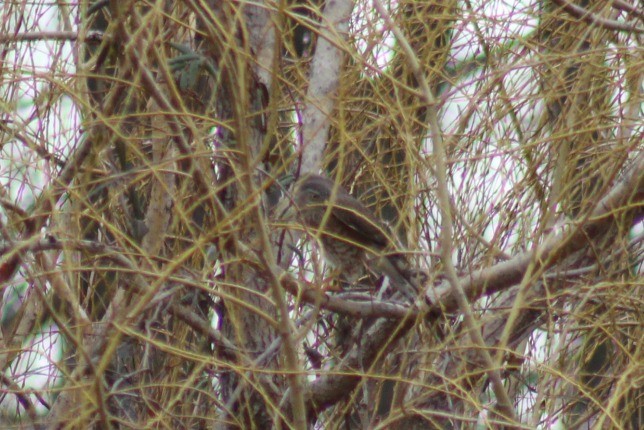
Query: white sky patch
[35, 368]
[37, 111]
[375, 42]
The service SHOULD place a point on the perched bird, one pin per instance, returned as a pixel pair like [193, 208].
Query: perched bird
[350, 235]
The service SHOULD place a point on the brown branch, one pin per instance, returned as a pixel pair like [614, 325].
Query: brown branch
[358, 306]
[324, 80]
[626, 195]
[590, 18]
[39, 35]
[446, 239]
[60, 36]
[116, 255]
[629, 8]
[21, 395]
[366, 308]
[327, 390]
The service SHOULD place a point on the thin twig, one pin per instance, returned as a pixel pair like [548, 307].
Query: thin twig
[591, 18]
[447, 227]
